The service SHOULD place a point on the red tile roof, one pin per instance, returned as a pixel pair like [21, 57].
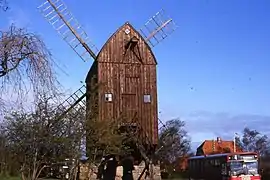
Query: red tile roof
[216, 146]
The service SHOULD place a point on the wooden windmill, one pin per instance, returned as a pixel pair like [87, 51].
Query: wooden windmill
[126, 66]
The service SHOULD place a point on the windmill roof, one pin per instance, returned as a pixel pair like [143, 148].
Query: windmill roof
[117, 31]
[110, 38]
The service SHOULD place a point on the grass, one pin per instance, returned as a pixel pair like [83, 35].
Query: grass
[10, 178]
[16, 178]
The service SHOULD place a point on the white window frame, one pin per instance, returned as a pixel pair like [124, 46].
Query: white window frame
[147, 98]
[108, 97]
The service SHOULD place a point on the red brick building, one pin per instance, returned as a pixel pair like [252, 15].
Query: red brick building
[216, 146]
[182, 163]
[206, 148]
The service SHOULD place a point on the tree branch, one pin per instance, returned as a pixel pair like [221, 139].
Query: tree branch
[25, 63]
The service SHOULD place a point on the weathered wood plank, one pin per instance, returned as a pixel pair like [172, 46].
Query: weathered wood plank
[126, 68]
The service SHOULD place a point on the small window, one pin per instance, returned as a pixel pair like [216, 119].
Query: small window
[147, 98]
[108, 97]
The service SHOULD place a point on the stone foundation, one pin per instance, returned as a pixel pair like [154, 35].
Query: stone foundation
[154, 170]
[88, 172]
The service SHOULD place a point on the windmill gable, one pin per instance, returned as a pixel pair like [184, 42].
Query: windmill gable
[127, 46]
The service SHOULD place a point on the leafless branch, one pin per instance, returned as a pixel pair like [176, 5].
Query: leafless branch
[25, 63]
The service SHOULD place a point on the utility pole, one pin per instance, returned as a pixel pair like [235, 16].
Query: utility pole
[234, 141]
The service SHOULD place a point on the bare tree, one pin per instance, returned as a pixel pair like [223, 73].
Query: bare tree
[252, 140]
[39, 138]
[25, 63]
[174, 143]
[7, 165]
[103, 138]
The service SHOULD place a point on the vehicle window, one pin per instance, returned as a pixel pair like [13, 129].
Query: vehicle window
[224, 169]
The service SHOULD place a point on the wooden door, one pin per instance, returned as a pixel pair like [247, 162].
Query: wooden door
[130, 94]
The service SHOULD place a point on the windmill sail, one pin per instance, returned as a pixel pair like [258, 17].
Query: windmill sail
[157, 28]
[62, 20]
[161, 125]
[77, 99]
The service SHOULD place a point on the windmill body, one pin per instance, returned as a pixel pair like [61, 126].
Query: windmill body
[125, 68]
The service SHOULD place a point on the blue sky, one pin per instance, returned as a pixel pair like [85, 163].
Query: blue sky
[213, 72]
